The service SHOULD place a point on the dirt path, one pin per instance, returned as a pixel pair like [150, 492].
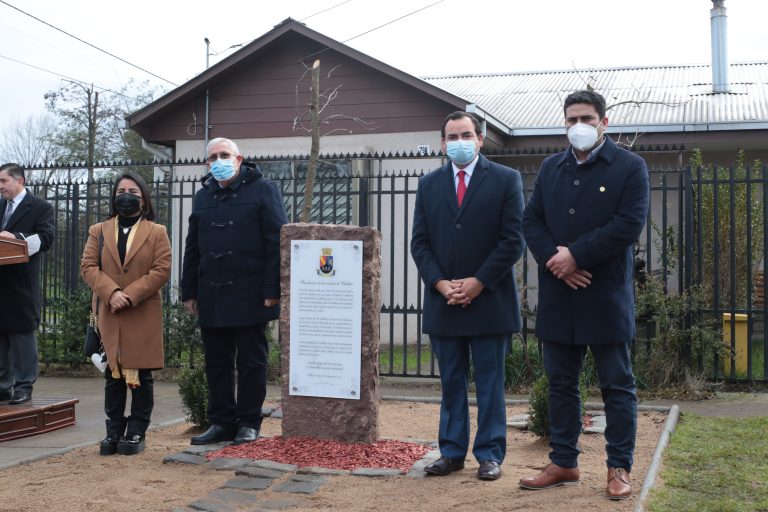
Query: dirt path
[84, 481]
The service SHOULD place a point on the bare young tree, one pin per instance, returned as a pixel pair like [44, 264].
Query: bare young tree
[319, 101]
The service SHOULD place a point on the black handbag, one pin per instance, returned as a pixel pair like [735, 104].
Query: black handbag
[93, 343]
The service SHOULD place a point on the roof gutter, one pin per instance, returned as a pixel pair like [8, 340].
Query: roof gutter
[679, 128]
[488, 118]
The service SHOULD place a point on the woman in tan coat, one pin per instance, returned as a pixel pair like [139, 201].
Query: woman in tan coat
[136, 263]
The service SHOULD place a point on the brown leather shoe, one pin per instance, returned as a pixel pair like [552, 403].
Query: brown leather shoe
[619, 484]
[551, 476]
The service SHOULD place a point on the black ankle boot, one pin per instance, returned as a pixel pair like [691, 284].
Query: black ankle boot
[108, 445]
[131, 444]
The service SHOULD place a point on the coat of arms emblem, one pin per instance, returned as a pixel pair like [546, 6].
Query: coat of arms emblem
[326, 263]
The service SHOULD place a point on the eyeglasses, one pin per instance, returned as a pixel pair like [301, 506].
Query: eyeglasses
[223, 155]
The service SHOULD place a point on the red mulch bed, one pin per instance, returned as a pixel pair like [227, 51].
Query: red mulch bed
[309, 451]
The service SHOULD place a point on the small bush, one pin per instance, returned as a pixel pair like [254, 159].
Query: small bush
[193, 388]
[61, 337]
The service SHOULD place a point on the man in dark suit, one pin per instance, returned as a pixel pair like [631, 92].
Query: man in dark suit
[231, 281]
[467, 235]
[24, 217]
[588, 207]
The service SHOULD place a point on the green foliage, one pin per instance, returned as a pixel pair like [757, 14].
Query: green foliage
[715, 465]
[181, 333]
[61, 338]
[538, 403]
[677, 324]
[193, 389]
[747, 199]
[523, 363]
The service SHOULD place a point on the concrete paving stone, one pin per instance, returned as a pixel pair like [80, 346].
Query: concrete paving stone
[297, 487]
[233, 496]
[315, 470]
[246, 483]
[258, 472]
[277, 414]
[417, 470]
[267, 411]
[278, 504]
[202, 449]
[277, 466]
[184, 458]
[376, 472]
[598, 425]
[212, 506]
[307, 478]
[229, 463]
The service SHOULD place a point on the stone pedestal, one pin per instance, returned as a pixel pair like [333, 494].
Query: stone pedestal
[331, 418]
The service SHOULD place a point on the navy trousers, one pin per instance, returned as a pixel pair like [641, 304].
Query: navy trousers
[236, 398]
[488, 355]
[562, 364]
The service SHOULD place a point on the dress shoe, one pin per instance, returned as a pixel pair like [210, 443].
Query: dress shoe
[551, 476]
[245, 435]
[20, 397]
[108, 445]
[619, 484]
[131, 444]
[489, 470]
[444, 466]
[215, 434]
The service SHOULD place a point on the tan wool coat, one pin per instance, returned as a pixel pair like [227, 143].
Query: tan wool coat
[134, 335]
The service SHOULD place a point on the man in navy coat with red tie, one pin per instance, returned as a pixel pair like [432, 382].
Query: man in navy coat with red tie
[588, 206]
[467, 235]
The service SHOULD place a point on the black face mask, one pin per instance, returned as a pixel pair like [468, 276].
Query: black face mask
[127, 205]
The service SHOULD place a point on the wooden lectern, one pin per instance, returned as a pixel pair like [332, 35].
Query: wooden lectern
[13, 251]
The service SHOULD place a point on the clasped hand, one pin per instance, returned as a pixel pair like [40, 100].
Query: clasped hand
[563, 266]
[118, 301]
[460, 291]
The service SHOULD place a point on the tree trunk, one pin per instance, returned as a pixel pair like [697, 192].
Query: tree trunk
[314, 153]
[92, 110]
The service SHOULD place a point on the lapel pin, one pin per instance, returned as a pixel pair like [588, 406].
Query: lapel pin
[602, 189]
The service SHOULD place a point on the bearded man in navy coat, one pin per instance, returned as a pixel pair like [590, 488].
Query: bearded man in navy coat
[467, 235]
[588, 207]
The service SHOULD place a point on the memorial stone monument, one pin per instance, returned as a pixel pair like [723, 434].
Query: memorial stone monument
[329, 331]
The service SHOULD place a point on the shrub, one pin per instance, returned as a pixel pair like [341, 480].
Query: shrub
[61, 337]
[181, 333]
[193, 388]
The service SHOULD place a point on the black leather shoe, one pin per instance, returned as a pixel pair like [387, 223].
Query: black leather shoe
[245, 435]
[108, 445]
[489, 470]
[444, 466]
[20, 397]
[131, 444]
[215, 434]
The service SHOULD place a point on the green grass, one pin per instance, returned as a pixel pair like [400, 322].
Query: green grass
[715, 465]
[412, 359]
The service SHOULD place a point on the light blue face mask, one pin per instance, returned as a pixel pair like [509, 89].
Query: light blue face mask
[223, 170]
[461, 152]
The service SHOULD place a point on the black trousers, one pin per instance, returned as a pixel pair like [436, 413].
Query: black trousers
[235, 399]
[142, 402]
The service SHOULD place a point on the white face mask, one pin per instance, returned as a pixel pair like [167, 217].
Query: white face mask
[582, 136]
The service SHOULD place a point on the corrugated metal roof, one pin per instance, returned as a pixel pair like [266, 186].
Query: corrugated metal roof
[641, 96]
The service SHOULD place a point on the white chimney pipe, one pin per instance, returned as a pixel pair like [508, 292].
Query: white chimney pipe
[719, 24]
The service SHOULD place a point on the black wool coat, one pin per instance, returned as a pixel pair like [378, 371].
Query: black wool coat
[20, 283]
[232, 252]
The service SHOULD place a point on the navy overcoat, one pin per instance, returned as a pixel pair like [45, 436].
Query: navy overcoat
[598, 210]
[20, 283]
[232, 251]
[482, 239]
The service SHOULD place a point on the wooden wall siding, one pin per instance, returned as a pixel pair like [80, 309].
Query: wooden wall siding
[260, 98]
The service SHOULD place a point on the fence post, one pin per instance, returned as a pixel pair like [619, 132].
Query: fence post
[363, 202]
[687, 236]
[73, 245]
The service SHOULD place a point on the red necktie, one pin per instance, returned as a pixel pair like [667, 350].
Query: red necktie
[462, 188]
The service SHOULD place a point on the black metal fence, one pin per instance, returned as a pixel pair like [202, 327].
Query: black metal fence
[706, 231]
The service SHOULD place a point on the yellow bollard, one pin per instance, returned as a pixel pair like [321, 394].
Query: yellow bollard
[740, 344]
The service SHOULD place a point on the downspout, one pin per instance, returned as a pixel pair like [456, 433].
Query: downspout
[207, 55]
